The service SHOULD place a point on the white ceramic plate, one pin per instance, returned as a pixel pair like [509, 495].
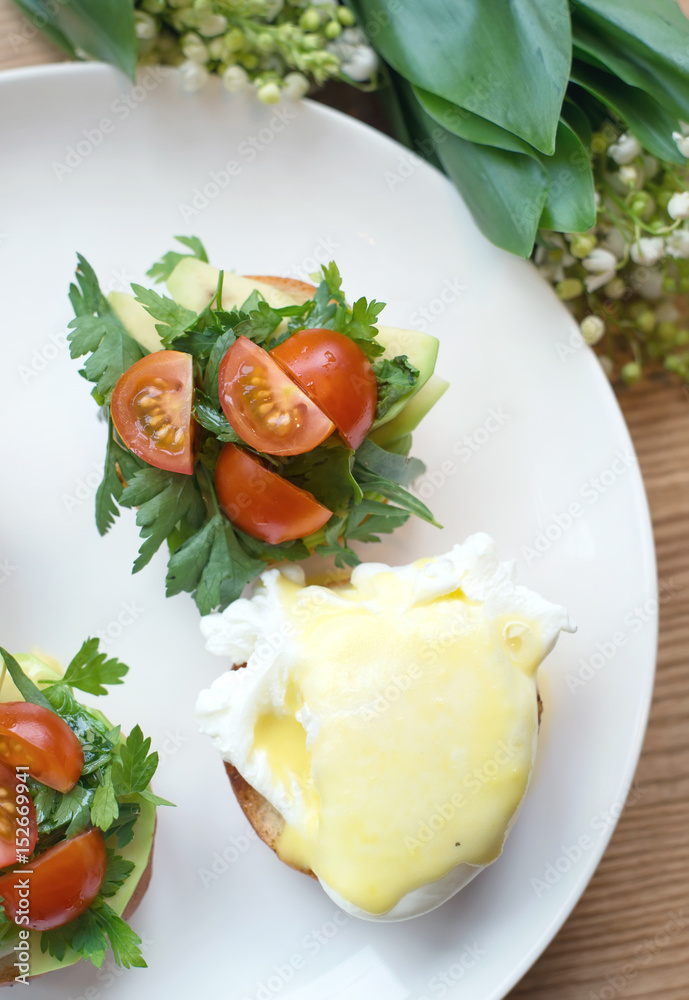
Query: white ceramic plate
[528, 444]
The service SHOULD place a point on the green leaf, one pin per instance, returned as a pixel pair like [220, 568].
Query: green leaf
[213, 565]
[646, 45]
[163, 268]
[260, 323]
[396, 377]
[117, 870]
[504, 191]
[643, 115]
[570, 206]
[123, 827]
[393, 491]
[98, 331]
[90, 670]
[156, 800]
[102, 30]
[104, 808]
[213, 419]
[212, 372]
[26, 687]
[326, 472]
[380, 462]
[174, 318]
[124, 942]
[133, 766]
[470, 126]
[110, 489]
[37, 12]
[163, 499]
[91, 730]
[480, 54]
[578, 121]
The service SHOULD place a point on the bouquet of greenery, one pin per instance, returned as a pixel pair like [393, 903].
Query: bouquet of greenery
[561, 123]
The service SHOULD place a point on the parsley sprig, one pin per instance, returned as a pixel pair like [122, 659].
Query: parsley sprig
[117, 773]
[208, 556]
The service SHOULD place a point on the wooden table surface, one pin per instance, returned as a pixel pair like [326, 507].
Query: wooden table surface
[629, 935]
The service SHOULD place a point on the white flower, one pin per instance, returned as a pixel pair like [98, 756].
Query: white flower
[194, 76]
[361, 65]
[626, 149]
[592, 329]
[601, 263]
[648, 250]
[194, 49]
[678, 205]
[295, 86]
[212, 25]
[145, 25]
[682, 142]
[678, 243]
[235, 78]
[629, 176]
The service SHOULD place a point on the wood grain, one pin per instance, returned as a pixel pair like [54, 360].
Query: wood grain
[629, 935]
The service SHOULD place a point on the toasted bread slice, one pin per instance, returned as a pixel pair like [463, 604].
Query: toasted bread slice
[299, 290]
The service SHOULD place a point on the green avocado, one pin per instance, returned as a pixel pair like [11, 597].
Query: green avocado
[136, 320]
[138, 850]
[422, 351]
[388, 434]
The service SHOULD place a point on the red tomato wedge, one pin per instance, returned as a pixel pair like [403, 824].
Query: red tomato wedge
[151, 409]
[265, 407]
[35, 737]
[18, 828]
[338, 377]
[58, 885]
[261, 502]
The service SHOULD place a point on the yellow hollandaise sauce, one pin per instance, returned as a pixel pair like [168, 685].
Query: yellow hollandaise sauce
[407, 732]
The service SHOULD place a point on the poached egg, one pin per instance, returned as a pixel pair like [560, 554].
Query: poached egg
[391, 720]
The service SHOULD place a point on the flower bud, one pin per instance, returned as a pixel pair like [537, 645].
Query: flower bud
[682, 143]
[193, 76]
[631, 372]
[310, 20]
[582, 244]
[295, 86]
[212, 25]
[592, 329]
[678, 205]
[235, 78]
[146, 27]
[626, 149]
[569, 288]
[269, 93]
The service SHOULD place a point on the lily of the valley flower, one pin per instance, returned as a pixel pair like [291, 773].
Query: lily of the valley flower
[602, 265]
[626, 149]
[678, 243]
[678, 205]
[647, 250]
[682, 142]
[592, 329]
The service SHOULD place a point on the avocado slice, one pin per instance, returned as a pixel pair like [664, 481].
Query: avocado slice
[138, 850]
[136, 320]
[193, 284]
[388, 434]
[422, 351]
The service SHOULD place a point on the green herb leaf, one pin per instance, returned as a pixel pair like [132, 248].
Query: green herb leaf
[105, 808]
[90, 670]
[117, 870]
[156, 800]
[111, 488]
[123, 827]
[124, 942]
[86, 723]
[384, 463]
[326, 472]
[396, 377]
[163, 268]
[133, 766]
[174, 318]
[213, 565]
[213, 419]
[26, 687]
[164, 499]
[97, 329]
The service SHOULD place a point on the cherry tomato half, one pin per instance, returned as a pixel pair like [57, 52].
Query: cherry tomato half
[18, 828]
[58, 885]
[151, 409]
[37, 738]
[261, 502]
[338, 377]
[265, 407]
